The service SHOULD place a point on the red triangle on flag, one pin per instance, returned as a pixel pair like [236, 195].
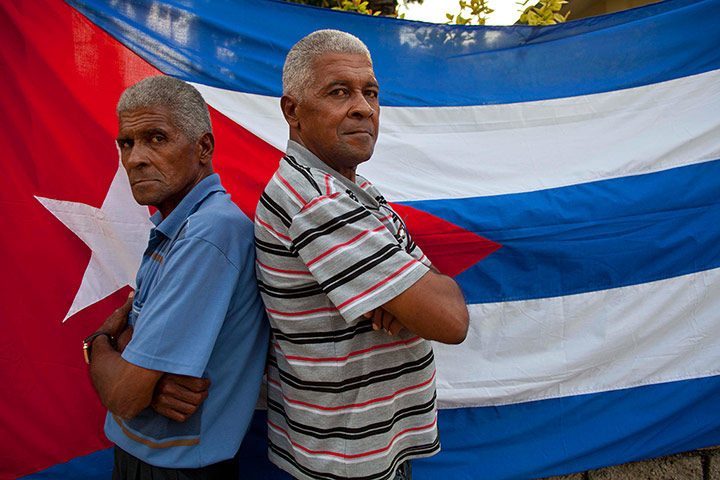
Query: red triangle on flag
[450, 248]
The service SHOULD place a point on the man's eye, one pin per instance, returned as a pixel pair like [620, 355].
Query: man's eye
[338, 92]
[157, 138]
[124, 144]
[371, 94]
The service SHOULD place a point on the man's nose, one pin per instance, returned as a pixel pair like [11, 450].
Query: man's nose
[134, 157]
[360, 107]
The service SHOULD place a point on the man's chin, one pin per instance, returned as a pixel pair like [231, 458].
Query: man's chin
[144, 198]
[360, 155]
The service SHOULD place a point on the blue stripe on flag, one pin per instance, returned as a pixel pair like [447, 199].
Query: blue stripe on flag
[554, 437]
[592, 236]
[578, 433]
[94, 466]
[241, 45]
[254, 461]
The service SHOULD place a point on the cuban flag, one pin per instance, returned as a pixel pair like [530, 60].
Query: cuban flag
[568, 177]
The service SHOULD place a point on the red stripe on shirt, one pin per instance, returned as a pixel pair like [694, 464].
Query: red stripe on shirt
[318, 199]
[356, 238]
[355, 405]
[352, 354]
[292, 314]
[377, 285]
[327, 183]
[357, 455]
[298, 272]
[291, 188]
[272, 229]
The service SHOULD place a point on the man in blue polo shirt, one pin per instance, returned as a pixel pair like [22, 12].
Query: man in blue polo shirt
[196, 315]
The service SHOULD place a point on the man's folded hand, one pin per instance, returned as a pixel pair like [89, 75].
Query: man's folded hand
[179, 396]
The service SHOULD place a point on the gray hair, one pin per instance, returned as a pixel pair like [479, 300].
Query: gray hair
[299, 69]
[189, 112]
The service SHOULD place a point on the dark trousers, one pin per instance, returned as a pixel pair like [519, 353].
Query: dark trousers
[128, 467]
[403, 472]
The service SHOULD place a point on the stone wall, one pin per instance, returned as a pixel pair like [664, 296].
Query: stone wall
[696, 465]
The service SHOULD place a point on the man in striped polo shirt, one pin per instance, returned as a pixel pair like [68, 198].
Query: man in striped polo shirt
[351, 299]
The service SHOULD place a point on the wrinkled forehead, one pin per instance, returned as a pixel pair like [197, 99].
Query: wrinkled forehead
[131, 122]
[336, 66]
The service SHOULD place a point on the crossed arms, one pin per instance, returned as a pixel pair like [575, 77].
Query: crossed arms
[126, 389]
[433, 308]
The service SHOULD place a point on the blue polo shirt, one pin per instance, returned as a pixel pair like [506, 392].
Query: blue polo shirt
[197, 311]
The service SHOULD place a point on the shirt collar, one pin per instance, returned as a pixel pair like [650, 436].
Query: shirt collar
[306, 157]
[171, 225]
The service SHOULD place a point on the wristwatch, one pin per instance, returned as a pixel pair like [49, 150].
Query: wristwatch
[87, 343]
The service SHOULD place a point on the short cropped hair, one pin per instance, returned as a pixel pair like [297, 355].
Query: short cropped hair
[299, 69]
[188, 110]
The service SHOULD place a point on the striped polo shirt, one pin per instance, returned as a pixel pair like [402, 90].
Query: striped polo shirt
[344, 401]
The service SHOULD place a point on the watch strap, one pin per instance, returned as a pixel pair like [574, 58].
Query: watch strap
[87, 343]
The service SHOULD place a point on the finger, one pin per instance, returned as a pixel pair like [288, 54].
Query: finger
[117, 320]
[377, 316]
[126, 307]
[172, 414]
[172, 402]
[387, 319]
[128, 303]
[167, 388]
[394, 327]
[124, 338]
[194, 384]
[174, 408]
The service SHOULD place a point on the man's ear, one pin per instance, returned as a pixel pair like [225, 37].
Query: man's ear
[289, 106]
[206, 147]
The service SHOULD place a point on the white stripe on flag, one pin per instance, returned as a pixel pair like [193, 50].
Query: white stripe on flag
[587, 343]
[457, 152]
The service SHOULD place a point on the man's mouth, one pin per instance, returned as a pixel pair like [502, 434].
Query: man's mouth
[360, 132]
[141, 181]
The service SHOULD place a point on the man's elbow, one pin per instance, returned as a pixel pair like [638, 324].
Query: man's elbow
[457, 327]
[450, 325]
[125, 407]
[124, 411]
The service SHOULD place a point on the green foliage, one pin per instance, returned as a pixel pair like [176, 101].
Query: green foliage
[358, 6]
[544, 12]
[472, 12]
[477, 12]
[355, 6]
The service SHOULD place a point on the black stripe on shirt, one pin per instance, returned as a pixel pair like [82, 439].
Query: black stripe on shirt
[306, 338]
[352, 383]
[415, 451]
[360, 267]
[297, 292]
[348, 433]
[274, 249]
[273, 207]
[304, 171]
[336, 223]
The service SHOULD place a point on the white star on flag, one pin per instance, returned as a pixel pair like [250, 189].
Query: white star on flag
[117, 235]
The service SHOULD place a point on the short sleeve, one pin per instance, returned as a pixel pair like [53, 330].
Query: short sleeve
[356, 261]
[177, 326]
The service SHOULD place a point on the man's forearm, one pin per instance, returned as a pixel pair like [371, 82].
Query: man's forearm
[124, 389]
[434, 308]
